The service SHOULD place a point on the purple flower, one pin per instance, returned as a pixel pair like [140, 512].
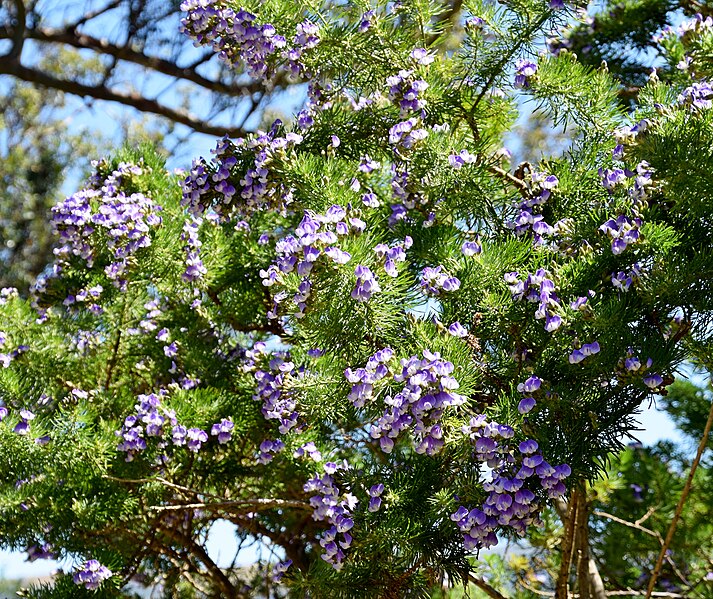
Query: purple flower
[457, 330]
[421, 56]
[471, 248]
[196, 437]
[529, 446]
[366, 284]
[91, 575]
[653, 380]
[223, 430]
[697, 96]
[532, 384]
[524, 71]
[526, 404]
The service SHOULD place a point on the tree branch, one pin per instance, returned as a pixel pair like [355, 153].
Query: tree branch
[681, 502]
[484, 586]
[247, 505]
[126, 53]
[570, 530]
[222, 581]
[13, 67]
[93, 15]
[17, 32]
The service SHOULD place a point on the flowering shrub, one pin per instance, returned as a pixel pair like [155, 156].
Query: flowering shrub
[360, 334]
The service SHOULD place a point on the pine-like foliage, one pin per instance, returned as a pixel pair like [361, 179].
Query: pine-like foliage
[362, 335]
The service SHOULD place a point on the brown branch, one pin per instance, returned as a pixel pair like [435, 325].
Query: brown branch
[17, 32]
[570, 531]
[510, 178]
[582, 545]
[622, 593]
[127, 53]
[293, 543]
[132, 99]
[221, 579]
[484, 586]
[93, 15]
[635, 525]
[247, 505]
[681, 502]
[445, 19]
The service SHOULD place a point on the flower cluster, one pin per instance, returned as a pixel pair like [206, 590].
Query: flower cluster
[331, 505]
[309, 449]
[537, 288]
[512, 501]
[268, 449]
[631, 367]
[316, 235]
[125, 221]
[234, 36]
[696, 24]
[393, 255]
[461, 159]
[698, 96]
[194, 266]
[407, 193]
[528, 219]
[434, 280]
[307, 37]
[623, 232]
[587, 349]
[238, 38]
[366, 284]
[152, 419]
[278, 403]
[375, 493]
[617, 177]
[91, 575]
[405, 91]
[406, 134]
[627, 135]
[427, 392]
[217, 186]
[622, 280]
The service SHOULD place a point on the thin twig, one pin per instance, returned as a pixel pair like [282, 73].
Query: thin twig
[635, 525]
[681, 502]
[247, 505]
[98, 92]
[484, 586]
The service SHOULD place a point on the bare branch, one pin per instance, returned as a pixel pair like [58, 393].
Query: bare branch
[247, 505]
[220, 578]
[681, 502]
[484, 586]
[129, 54]
[93, 15]
[17, 33]
[568, 544]
[13, 67]
[635, 525]
[510, 178]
